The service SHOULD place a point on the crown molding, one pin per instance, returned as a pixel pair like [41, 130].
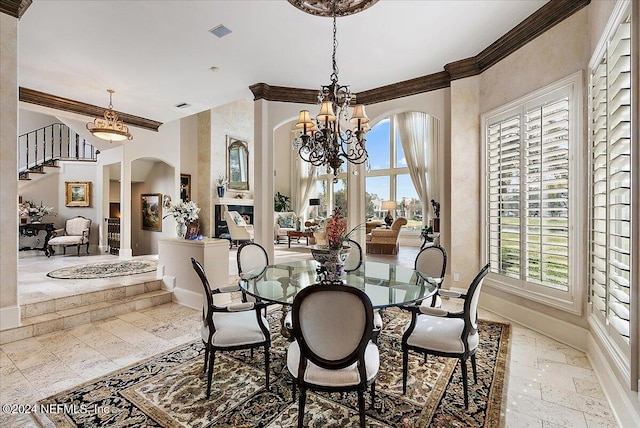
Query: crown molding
[65, 104]
[542, 20]
[427, 83]
[15, 8]
[284, 94]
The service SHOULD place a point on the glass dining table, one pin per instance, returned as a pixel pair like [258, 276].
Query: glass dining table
[386, 284]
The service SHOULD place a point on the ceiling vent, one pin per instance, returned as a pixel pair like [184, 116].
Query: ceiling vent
[220, 31]
[182, 105]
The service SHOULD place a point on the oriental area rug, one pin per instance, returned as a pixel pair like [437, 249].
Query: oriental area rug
[104, 270]
[168, 390]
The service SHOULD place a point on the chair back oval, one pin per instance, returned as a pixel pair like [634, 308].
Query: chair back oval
[432, 261]
[251, 256]
[354, 260]
[332, 324]
[471, 301]
[208, 293]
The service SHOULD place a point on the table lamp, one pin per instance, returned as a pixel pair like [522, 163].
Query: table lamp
[388, 206]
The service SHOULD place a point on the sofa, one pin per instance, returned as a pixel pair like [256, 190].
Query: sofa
[283, 223]
[384, 240]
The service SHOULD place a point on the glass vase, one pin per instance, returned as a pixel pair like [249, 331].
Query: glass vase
[181, 230]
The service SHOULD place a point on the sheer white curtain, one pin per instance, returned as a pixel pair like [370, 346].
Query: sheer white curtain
[419, 135]
[303, 186]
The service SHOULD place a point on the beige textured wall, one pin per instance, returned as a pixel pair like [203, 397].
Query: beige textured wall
[9, 313]
[464, 249]
[559, 52]
[205, 185]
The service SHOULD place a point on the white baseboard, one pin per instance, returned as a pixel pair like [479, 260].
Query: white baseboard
[559, 330]
[9, 317]
[187, 298]
[623, 401]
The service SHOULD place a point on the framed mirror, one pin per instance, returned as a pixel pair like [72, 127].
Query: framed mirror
[237, 164]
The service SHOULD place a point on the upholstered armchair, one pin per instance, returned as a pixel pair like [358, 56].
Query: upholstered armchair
[283, 223]
[75, 233]
[239, 230]
[385, 241]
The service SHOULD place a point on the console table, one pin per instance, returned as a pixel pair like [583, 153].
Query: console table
[33, 229]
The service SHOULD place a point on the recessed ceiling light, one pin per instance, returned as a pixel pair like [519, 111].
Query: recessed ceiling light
[182, 105]
[214, 69]
[220, 31]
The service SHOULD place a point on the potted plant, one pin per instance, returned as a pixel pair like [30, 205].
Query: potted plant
[281, 203]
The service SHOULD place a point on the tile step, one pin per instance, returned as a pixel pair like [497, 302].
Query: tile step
[30, 310]
[85, 314]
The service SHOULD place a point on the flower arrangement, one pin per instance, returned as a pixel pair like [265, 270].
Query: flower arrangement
[183, 212]
[36, 212]
[336, 228]
[221, 181]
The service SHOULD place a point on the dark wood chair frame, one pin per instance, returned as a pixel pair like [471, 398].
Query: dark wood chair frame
[444, 268]
[306, 354]
[353, 244]
[211, 308]
[468, 330]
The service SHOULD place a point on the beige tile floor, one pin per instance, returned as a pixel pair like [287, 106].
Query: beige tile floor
[549, 384]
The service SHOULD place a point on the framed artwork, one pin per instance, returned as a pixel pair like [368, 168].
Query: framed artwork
[151, 206]
[185, 187]
[193, 229]
[78, 193]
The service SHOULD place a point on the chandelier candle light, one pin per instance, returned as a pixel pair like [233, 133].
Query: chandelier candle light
[110, 128]
[323, 142]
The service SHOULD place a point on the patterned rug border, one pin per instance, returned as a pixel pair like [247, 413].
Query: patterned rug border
[71, 272]
[495, 408]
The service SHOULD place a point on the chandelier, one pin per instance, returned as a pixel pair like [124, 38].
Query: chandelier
[323, 142]
[110, 127]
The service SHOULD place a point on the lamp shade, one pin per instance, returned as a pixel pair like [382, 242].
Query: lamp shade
[313, 202]
[326, 112]
[304, 119]
[388, 205]
[359, 115]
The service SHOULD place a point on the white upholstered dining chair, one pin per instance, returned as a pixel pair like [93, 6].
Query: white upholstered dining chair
[435, 331]
[332, 350]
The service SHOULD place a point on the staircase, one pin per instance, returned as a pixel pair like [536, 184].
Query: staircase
[67, 312]
[45, 146]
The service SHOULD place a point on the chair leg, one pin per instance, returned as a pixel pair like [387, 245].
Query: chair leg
[373, 395]
[206, 358]
[465, 382]
[252, 353]
[266, 363]
[78, 249]
[65, 250]
[301, 403]
[474, 368]
[210, 374]
[425, 358]
[293, 392]
[361, 407]
[405, 363]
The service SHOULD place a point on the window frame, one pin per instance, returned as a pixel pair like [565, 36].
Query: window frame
[572, 300]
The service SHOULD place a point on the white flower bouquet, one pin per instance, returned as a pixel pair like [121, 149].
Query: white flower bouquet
[31, 209]
[183, 212]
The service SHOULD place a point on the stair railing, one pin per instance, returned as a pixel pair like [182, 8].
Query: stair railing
[46, 145]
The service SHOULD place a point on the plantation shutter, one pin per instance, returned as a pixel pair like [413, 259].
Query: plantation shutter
[503, 196]
[546, 166]
[610, 168]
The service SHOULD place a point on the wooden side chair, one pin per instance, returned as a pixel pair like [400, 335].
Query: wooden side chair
[435, 331]
[231, 327]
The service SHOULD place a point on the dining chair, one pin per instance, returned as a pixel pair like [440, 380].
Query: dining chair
[231, 327]
[432, 261]
[354, 259]
[332, 350]
[434, 331]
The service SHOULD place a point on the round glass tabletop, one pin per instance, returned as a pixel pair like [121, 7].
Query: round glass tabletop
[385, 284]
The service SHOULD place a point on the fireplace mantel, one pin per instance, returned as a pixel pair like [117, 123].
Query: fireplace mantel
[232, 201]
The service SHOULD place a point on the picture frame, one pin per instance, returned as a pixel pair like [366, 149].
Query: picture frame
[185, 187]
[193, 229]
[78, 193]
[151, 211]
